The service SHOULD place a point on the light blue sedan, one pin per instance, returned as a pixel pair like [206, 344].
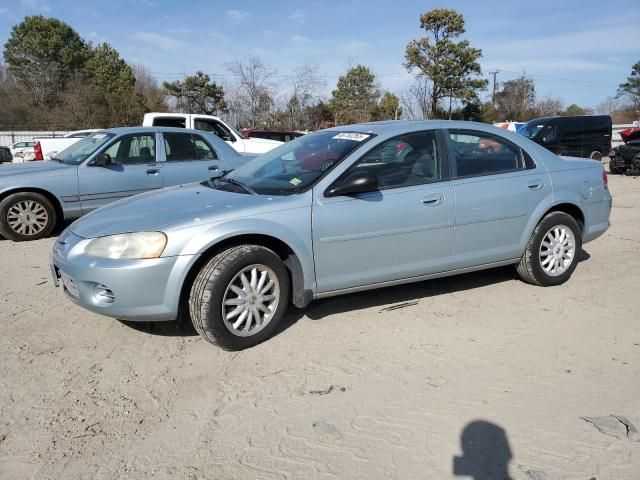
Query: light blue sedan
[103, 167]
[334, 212]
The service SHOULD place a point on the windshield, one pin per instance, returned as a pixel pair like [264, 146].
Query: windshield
[294, 166]
[82, 149]
[531, 129]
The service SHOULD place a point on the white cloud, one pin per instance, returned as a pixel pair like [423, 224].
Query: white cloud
[300, 40]
[237, 16]
[161, 41]
[299, 17]
[36, 5]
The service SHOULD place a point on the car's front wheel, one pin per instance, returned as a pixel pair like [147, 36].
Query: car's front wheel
[552, 252]
[239, 297]
[26, 216]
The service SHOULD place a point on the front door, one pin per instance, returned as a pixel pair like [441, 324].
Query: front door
[498, 186]
[402, 230]
[133, 170]
[189, 158]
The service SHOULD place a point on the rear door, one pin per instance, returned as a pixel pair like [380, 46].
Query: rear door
[497, 187]
[571, 136]
[189, 158]
[135, 170]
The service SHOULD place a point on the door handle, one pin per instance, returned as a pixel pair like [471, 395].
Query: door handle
[433, 200]
[536, 185]
[153, 171]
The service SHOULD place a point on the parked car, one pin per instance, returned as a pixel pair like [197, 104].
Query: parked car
[279, 135]
[19, 147]
[233, 252]
[46, 147]
[215, 125]
[625, 158]
[103, 167]
[5, 155]
[586, 136]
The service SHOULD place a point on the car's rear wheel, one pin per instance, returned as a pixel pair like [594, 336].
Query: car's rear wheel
[596, 155]
[552, 252]
[239, 297]
[26, 216]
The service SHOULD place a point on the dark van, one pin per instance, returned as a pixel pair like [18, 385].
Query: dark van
[586, 136]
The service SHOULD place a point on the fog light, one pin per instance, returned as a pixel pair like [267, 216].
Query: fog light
[103, 294]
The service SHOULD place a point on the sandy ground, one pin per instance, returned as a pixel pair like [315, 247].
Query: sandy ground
[375, 385]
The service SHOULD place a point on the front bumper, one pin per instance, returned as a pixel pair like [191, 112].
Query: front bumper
[143, 290]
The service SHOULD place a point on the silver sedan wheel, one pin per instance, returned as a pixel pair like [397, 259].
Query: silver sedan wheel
[27, 217]
[557, 250]
[250, 300]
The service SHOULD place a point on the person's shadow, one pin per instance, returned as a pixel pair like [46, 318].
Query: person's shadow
[485, 452]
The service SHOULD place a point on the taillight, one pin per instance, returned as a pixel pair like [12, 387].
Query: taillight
[605, 179]
[38, 151]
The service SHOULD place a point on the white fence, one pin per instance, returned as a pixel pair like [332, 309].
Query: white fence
[9, 137]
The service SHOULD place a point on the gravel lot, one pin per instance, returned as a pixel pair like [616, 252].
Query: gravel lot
[383, 384]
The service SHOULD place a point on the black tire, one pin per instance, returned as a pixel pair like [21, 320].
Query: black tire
[530, 267]
[20, 198]
[615, 170]
[211, 283]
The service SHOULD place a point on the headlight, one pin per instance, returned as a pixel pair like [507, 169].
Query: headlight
[128, 245]
[612, 153]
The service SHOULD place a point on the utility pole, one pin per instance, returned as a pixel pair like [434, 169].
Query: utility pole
[495, 86]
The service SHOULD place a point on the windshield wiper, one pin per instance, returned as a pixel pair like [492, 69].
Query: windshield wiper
[235, 182]
[56, 159]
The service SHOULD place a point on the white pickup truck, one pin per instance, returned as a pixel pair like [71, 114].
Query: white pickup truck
[46, 147]
[209, 123]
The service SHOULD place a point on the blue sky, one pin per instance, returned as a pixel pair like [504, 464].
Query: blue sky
[577, 50]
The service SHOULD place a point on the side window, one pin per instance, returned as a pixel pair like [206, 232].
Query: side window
[214, 127]
[179, 147]
[177, 122]
[411, 159]
[203, 149]
[133, 149]
[479, 153]
[549, 133]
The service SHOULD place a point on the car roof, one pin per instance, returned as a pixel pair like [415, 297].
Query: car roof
[123, 130]
[398, 127]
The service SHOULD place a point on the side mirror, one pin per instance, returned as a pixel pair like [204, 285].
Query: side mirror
[358, 182]
[102, 160]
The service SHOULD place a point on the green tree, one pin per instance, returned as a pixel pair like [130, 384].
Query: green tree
[575, 109]
[516, 100]
[631, 88]
[355, 96]
[110, 73]
[388, 108]
[43, 53]
[197, 94]
[451, 66]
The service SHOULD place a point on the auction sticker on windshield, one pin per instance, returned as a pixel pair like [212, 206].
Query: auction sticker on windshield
[358, 137]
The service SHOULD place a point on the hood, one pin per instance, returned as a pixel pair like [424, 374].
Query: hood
[174, 208]
[630, 134]
[35, 168]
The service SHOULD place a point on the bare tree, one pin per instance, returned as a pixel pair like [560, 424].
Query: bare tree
[608, 106]
[305, 87]
[254, 89]
[548, 107]
[416, 99]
